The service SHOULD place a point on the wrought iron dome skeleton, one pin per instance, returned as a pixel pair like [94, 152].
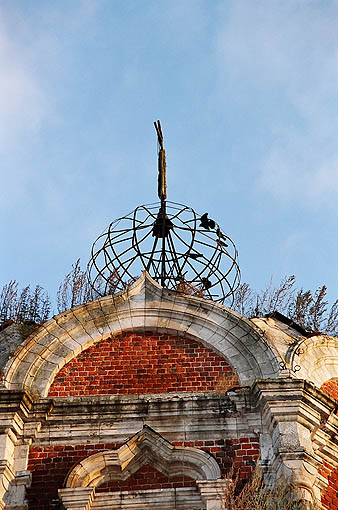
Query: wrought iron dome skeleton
[180, 249]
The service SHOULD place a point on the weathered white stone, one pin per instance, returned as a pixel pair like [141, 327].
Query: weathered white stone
[163, 499]
[145, 447]
[77, 499]
[15, 498]
[213, 493]
[76, 330]
[295, 422]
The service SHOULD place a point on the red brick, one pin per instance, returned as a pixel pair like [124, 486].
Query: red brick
[329, 495]
[50, 465]
[128, 364]
[331, 388]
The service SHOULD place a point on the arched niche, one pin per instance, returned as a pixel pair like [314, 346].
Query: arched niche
[145, 306]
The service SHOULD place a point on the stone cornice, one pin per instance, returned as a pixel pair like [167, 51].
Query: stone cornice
[304, 416]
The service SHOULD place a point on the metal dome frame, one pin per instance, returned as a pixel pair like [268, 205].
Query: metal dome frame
[188, 259]
[183, 251]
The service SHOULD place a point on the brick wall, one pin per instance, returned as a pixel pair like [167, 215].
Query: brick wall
[246, 454]
[330, 494]
[132, 363]
[331, 388]
[147, 478]
[242, 453]
[50, 465]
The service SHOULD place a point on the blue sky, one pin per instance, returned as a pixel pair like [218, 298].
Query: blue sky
[247, 93]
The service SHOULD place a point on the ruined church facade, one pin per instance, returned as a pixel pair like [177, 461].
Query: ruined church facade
[147, 398]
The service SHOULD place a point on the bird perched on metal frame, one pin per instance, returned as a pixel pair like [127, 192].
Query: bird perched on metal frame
[206, 222]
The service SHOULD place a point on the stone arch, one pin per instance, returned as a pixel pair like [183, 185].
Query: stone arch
[315, 359]
[145, 306]
[145, 447]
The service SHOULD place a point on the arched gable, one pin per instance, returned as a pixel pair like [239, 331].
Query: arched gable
[145, 447]
[145, 306]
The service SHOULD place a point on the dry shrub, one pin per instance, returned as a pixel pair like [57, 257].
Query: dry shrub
[29, 305]
[255, 495]
[74, 290]
[309, 309]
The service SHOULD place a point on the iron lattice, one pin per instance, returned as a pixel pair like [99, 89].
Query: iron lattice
[181, 250]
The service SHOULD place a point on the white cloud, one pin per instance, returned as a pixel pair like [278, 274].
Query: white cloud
[33, 62]
[22, 100]
[288, 49]
[295, 177]
[31, 50]
[323, 184]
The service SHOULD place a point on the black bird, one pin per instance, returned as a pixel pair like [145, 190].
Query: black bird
[206, 222]
[206, 283]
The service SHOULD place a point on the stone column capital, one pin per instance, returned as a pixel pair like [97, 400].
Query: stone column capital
[213, 492]
[80, 498]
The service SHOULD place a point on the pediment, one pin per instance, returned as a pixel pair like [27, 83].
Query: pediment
[144, 306]
[145, 447]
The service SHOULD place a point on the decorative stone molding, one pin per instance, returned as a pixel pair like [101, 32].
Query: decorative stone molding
[80, 498]
[213, 492]
[316, 357]
[6, 476]
[15, 498]
[146, 447]
[145, 306]
[183, 498]
[298, 429]
[15, 408]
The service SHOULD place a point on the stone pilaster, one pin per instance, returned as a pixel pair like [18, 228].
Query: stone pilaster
[212, 493]
[15, 498]
[292, 413]
[80, 498]
[6, 476]
[14, 411]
